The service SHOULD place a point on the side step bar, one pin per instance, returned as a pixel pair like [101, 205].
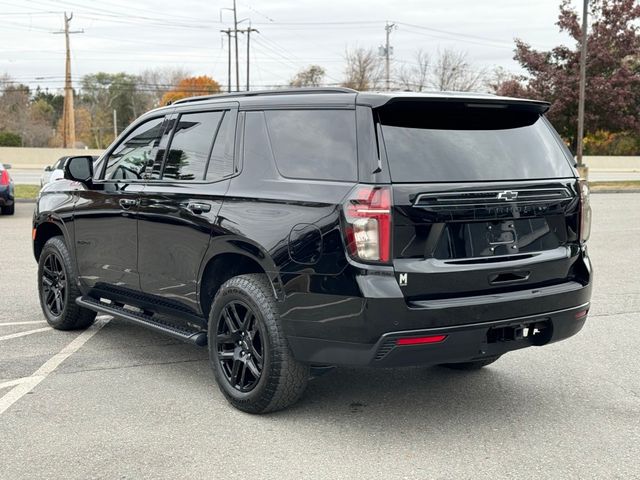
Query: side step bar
[144, 320]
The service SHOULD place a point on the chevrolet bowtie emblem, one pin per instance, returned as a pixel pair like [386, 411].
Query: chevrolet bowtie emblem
[507, 195]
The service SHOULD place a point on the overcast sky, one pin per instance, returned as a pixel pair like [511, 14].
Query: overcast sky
[121, 35]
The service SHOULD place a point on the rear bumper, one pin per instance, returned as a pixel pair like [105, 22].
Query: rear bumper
[462, 343]
[6, 196]
[324, 327]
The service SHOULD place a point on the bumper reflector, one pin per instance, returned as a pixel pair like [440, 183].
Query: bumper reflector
[582, 313]
[420, 340]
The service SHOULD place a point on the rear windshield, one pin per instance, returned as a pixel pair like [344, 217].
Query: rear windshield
[461, 142]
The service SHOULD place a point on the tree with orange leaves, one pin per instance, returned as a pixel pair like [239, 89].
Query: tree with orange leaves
[191, 87]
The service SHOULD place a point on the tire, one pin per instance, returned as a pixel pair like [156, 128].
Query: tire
[249, 355]
[10, 210]
[58, 288]
[474, 365]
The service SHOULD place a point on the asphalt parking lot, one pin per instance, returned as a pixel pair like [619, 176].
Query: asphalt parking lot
[121, 402]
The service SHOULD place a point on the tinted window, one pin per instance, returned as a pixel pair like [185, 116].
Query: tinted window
[467, 144]
[315, 144]
[138, 149]
[257, 150]
[221, 162]
[191, 146]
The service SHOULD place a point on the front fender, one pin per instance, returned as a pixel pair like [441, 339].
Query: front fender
[54, 206]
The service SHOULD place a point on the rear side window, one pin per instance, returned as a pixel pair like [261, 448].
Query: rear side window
[191, 145]
[455, 142]
[221, 161]
[314, 144]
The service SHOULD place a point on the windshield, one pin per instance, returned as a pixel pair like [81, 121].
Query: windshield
[459, 143]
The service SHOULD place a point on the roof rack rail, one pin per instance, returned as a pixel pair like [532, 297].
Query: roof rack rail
[257, 93]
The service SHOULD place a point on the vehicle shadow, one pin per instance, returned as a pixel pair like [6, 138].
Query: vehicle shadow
[410, 399]
[367, 399]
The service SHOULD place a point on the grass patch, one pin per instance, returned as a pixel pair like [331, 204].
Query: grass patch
[625, 185]
[26, 192]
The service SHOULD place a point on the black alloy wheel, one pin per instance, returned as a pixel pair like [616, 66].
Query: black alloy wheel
[249, 354]
[58, 287]
[54, 284]
[240, 345]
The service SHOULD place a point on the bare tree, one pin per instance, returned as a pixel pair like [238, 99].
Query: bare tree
[415, 76]
[158, 81]
[312, 76]
[503, 82]
[363, 70]
[22, 117]
[452, 72]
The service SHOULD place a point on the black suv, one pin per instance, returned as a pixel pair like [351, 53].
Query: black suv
[291, 231]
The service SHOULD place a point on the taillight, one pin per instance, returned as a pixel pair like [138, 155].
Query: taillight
[585, 211]
[4, 177]
[367, 213]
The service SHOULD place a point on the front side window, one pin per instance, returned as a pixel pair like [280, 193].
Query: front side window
[191, 145]
[314, 144]
[135, 152]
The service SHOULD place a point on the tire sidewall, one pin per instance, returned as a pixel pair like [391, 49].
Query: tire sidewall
[54, 247]
[224, 296]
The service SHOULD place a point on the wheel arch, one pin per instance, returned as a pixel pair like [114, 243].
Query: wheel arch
[228, 258]
[45, 230]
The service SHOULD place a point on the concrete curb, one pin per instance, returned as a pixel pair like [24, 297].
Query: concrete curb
[616, 190]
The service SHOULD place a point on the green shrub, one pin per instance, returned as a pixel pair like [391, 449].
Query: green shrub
[8, 139]
[608, 143]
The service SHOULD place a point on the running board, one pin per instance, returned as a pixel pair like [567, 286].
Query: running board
[142, 319]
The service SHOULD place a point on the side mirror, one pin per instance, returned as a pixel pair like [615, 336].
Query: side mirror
[7, 166]
[47, 168]
[79, 169]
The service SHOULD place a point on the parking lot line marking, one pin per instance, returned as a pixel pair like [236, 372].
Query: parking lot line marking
[22, 334]
[29, 383]
[14, 382]
[11, 324]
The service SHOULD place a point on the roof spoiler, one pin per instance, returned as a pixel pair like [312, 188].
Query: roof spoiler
[488, 102]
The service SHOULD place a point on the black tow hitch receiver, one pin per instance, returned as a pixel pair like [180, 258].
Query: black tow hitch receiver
[537, 333]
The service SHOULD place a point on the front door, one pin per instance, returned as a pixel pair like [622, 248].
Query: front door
[106, 215]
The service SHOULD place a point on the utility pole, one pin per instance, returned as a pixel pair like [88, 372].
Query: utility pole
[228, 32]
[386, 51]
[235, 30]
[115, 124]
[68, 118]
[583, 81]
[248, 31]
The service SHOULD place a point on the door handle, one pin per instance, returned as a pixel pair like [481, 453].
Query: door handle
[127, 203]
[198, 208]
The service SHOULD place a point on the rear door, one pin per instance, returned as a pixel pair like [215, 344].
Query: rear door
[180, 204]
[485, 198]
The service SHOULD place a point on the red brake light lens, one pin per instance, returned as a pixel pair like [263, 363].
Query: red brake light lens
[367, 213]
[420, 340]
[4, 177]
